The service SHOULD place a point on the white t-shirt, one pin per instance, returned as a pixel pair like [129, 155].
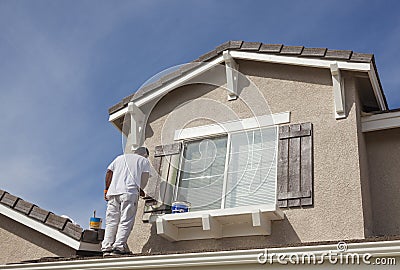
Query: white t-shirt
[127, 174]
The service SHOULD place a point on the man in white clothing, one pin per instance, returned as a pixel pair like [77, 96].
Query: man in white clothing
[125, 178]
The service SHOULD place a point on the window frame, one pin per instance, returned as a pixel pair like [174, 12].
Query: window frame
[227, 158]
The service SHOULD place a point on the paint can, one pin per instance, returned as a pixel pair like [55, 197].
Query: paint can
[95, 222]
[180, 207]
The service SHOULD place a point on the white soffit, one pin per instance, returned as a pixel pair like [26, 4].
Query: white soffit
[232, 126]
[289, 60]
[380, 121]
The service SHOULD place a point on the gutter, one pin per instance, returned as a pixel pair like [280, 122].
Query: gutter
[212, 259]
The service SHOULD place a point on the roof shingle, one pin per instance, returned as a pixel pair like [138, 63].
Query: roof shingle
[41, 215]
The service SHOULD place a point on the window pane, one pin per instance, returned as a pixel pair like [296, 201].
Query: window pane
[252, 168]
[202, 173]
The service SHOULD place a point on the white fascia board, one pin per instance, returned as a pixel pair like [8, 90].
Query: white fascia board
[377, 88]
[319, 63]
[118, 114]
[206, 260]
[232, 126]
[40, 227]
[203, 67]
[380, 121]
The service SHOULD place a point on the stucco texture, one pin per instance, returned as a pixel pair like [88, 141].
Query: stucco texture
[19, 243]
[307, 93]
[384, 171]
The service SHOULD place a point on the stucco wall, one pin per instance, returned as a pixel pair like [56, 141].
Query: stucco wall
[384, 174]
[18, 243]
[307, 93]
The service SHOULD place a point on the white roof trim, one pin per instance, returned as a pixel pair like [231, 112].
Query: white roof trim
[207, 260]
[380, 121]
[289, 60]
[299, 61]
[40, 227]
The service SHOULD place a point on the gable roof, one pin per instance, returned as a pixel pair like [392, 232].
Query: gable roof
[254, 47]
[54, 226]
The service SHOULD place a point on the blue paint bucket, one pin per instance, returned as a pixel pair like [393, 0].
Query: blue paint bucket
[95, 223]
[180, 207]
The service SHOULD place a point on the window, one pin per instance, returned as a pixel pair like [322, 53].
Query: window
[233, 170]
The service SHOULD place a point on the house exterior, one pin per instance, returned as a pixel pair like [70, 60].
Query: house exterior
[279, 148]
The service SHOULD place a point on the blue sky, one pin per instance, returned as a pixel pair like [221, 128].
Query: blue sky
[64, 63]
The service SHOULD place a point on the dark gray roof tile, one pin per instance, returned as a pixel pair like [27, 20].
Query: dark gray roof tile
[229, 45]
[189, 66]
[338, 54]
[56, 221]
[271, 48]
[235, 44]
[313, 52]
[39, 214]
[47, 218]
[72, 230]
[9, 200]
[91, 236]
[223, 47]
[116, 107]
[100, 234]
[207, 56]
[24, 206]
[2, 192]
[292, 50]
[250, 46]
[362, 57]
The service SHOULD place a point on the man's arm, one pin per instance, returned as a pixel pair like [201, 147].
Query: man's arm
[143, 182]
[109, 176]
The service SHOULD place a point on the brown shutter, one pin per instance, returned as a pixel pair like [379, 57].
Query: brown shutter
[160, 188]
[295, 165]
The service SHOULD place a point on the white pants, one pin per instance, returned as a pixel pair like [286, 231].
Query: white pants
[120, 216]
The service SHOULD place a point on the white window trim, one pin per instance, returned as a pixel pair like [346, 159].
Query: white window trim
[222, 222]
[232, 126]
[228, 149]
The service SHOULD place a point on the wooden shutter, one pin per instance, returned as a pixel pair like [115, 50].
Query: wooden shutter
[160, 188]
[295, 165]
